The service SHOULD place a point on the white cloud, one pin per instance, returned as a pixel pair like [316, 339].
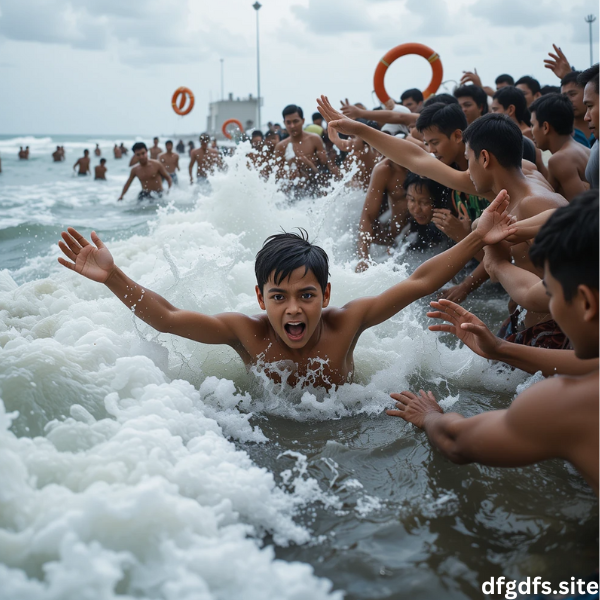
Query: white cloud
[331, 17]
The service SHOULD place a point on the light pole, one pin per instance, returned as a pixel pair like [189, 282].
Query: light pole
[589, 19]
[256, 6]
[222, 93]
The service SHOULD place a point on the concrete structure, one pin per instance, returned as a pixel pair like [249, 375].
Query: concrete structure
[244, 110]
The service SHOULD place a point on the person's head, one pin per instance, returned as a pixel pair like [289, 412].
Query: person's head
[412, 99]
[257, 138]
[551, 115]
[440, 98]
[102, 161]
[155, 140]
[317, 119]
[292, 286]
[97, 145]
[570, 87]
[85, 152]
[442, 126]
[589, 80]
[277, 127]
[272, 139]
[493, 143]
[549, 89]
[169, 145]
[57, 147]
[204, 140]
[530, 87]
[504, 80]
[510, 101]
[566, 247]
[140, 150]
[422, 196]
[293, 119]
[472, 100]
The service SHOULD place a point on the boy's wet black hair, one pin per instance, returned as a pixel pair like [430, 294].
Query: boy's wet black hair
[474, 92]
[283, 253]
[439, 193]
[258, 133]
[556, 110]
[511, 95]
[589, 75]
[571, 77]
[533, 84]
[446, 117]
[316, 116]
[505, 78]
[290, 109]
[500, 136]
[169, 142]
[102, 160]
[413, 94]
[138, 146]
[440, 98]
[568, 242]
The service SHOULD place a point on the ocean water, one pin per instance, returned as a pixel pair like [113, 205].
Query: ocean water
[139, 465]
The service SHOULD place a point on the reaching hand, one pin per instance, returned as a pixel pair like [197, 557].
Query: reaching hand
[557, 63]
[456, 293]
[456, 229]
[413, 408]
[495, 224]
[351, 111]
[95, 263]
[466, 327]
[493, 255]
[471, 77]
[337, 120]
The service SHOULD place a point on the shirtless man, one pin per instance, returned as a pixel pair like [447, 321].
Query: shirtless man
[205, 158]
[530, 87]
[299, 333]
[57, 155]
[493, 147]
[97, 151]
[386, 197]
[155, 151]
[170, 161]
[570, 87]
[552, 129]
[472, 100]
[301, 153]
[149, 172]
[23, 154]
[124, 151]
[100, 170]
[83, 163]
[117, 152]
[558, 417]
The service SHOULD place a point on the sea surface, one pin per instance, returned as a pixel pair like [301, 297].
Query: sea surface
[135, 464]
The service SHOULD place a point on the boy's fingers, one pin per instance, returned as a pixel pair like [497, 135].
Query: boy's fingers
[78, 236]
[66, 263]
[99, 243]
[67, 251]
[443, 327]
[73, 245]
[394, 413]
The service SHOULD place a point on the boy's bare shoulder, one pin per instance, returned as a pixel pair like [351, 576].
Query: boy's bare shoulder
[540, 199]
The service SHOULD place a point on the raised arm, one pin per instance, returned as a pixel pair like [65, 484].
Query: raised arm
[343, 145]
[96, 263]
[379, 116]
[557, 62]
[400, 151]
[127, 184]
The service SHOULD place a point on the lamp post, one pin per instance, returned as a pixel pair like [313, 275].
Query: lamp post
[256, 6]
[589, 19]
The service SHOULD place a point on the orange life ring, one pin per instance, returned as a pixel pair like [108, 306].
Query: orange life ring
[403, 50]
[178, 103]
[230, 122]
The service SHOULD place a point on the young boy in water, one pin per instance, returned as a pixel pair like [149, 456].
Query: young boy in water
[299, 327]
[150, 173]
[558, 417]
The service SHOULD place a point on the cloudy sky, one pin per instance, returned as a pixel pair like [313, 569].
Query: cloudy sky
[111, 66]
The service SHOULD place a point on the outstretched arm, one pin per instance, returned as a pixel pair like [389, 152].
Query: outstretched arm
[96, 263]
[379, 116]
[494, 225]
[127, 184]
[400, 151]
[343, 145]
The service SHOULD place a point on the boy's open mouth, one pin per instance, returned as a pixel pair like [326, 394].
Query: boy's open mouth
[295, 330]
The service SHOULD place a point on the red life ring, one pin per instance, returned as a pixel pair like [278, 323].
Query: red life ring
[178, 103]
[403, 50]
[230, 122]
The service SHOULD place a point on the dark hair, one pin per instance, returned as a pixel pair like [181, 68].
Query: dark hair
[568, 241]
[276, 125]
[571, 77]
[550, 89]
[102, 160]
[504, 78]
[86, 150]
[475, 92]
[370, 123]
[414, 94]
[556, 110]
[499, 135]
[273, 132]
[168, 142]
[446, 117]
[317, 115]
[442, 98]
[589, 75]
[204, 136]
[138, 146]
[437, 190]
[283, 253]
[531, 83]
[258, 133]
[155, 139]
[290, 109]
[511, 95]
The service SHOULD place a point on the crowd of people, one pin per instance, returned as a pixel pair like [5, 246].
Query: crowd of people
[501, 183]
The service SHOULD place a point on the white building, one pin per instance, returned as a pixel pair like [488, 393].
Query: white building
[244, 110]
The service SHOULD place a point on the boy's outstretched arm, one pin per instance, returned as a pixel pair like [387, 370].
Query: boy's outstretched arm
[96, 263]
[494, 225]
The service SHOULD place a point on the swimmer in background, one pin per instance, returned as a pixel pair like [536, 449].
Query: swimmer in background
[124, 150]
[57, 155]
[170, 161]
[100, 170]
[117, 152]
[150, 173]
[190, 148]
[300, 338]
[156, 151]
[83, 163]
[206, 159]
[62, 151]
[23, 154]
[180, 147]
[97, 151]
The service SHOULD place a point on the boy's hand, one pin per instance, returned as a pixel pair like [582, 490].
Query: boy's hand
[351, 111]
[471, 77]
[413, 408]
[466, 327]
[94, 262]
[337, 120]
[558, 62]
[455, 228]
[495, 254]
[495, 224]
